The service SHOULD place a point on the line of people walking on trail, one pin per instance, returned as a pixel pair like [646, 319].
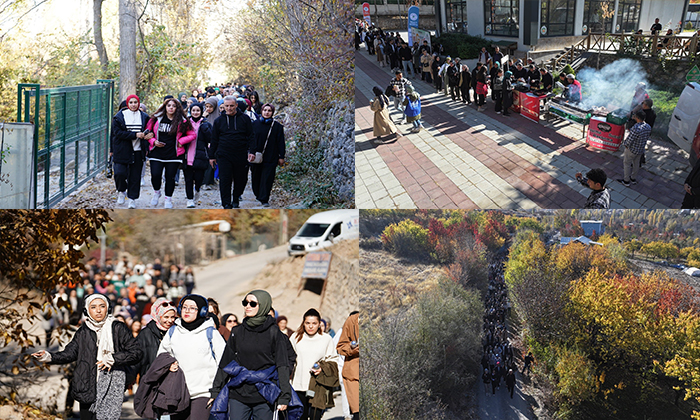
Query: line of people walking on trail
[221, 133]
[498, 360]
[189, 362]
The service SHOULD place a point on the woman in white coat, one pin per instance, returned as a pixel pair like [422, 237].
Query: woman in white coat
[311, 345]
[197, 346]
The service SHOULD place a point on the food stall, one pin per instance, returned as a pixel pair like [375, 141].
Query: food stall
[607, 129]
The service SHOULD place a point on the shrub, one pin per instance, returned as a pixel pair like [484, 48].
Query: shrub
[407, 240]
[417, 361]
[462, 45]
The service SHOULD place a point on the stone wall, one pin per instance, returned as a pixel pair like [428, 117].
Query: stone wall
[342, 294]
[340, 151]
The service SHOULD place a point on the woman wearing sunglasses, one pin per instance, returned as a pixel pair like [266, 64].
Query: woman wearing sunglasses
[194, 342]
[257, 345]
[228, 321]
[162, 318]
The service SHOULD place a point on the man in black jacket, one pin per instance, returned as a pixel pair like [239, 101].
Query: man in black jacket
[406, 57]
[466, 84]
[453, 80]
[231, 143]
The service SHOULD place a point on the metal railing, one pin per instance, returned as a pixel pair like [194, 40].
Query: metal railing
[71, 135]
[670, 47]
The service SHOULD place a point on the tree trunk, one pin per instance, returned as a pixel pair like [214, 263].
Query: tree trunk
[127, 48]
[97, 25]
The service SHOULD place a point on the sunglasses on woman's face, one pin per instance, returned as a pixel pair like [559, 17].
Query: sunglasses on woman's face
[253, 304]
[231, 321]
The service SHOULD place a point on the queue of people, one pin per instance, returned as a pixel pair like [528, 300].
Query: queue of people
[186, 368]
[497, 361]
[221, 133]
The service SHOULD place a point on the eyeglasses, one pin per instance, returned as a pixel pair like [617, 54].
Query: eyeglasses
[253, 304]
[189, 309]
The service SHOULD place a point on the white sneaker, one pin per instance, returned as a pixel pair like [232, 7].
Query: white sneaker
[132, 204]
[190, 204]
[196, 196]
[121, 198]
[168, 203]
[156, 197]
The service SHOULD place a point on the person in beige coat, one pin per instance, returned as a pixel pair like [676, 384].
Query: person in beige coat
[382, 125]
[348, 346]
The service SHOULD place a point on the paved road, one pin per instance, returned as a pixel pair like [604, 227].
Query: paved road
[500, 406]
[471, 159]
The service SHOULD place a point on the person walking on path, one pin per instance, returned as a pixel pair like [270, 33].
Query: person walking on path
[197, 158]
[382, 124]
[268, 139]
[348, 346]
[129, 146]
[103, 349]
[197, 348]
[486, 379]
[510, 382]
[257, 345]
[528, 361]
[162, 318]
[635, 143]
[172, 132]
[311, 346]
[412, 109]
[398, 86]
[232, 141]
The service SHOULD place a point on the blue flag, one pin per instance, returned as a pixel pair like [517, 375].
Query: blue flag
[413, 12]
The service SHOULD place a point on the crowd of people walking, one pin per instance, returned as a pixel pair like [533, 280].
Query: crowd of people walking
[497, 361]
[187, 360]
[219, 135]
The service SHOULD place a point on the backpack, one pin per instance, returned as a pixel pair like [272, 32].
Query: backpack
[210, 336]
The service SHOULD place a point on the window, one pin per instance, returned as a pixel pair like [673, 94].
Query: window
[501, 17]
[335, 231]
[628, 15]
[557, 17]
[594, 16]
[456, 11]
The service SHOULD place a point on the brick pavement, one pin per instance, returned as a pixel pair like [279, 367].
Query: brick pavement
[470, 159]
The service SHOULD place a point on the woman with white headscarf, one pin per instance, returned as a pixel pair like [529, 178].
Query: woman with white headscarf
[103, 348]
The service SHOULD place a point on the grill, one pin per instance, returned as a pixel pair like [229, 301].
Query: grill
[570, 112]
[298, 248]
[617, 116]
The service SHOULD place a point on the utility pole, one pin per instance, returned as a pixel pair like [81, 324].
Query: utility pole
[284, 225]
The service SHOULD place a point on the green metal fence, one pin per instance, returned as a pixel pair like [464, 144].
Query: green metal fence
[71, 135]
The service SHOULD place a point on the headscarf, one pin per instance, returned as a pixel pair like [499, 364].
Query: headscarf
[103, 329]
[201, 109]
[264, 305]
[158, 309]
[132, 96]
[201, 302]
[214, 102]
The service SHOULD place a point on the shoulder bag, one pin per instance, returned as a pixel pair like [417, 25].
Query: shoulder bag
[259, 155]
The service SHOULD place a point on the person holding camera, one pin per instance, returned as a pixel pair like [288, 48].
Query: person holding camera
[595, 180]
[103, 349]
[269, 149]
[129, 147]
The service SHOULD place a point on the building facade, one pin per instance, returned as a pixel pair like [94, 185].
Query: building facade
[544, 24]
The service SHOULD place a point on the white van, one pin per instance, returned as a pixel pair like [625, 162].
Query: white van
[324, 229]
[684, 128]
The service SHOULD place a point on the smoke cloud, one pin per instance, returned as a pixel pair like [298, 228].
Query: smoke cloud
[612, 86]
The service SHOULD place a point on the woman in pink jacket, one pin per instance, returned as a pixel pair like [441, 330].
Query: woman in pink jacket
[197, 154]
[172, 132]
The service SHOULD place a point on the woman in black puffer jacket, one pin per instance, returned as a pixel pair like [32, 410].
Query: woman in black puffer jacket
[103, 348]
[163, 317]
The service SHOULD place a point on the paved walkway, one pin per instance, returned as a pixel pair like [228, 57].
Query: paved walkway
[471, 159]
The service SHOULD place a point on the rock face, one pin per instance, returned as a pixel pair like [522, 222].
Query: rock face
[340, 151]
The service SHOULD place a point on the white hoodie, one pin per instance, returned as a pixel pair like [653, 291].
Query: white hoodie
[192, 351]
